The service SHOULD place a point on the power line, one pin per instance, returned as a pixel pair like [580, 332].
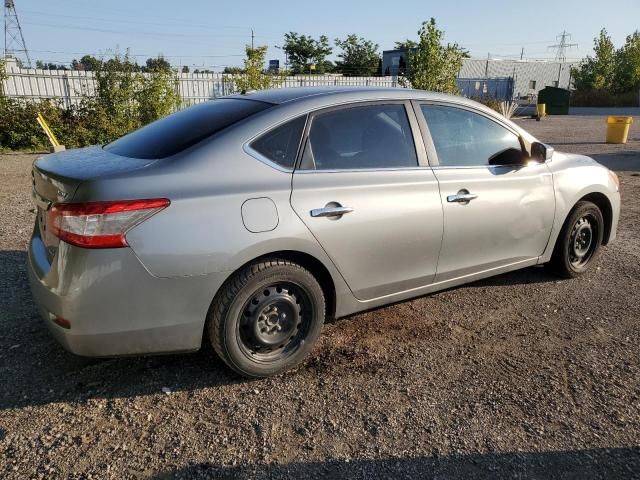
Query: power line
[119, 19]
[112, 20]
[115, 20]
[135, 32]
[108, 53]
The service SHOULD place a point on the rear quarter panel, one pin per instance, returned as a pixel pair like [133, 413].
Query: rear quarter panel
[203, 231]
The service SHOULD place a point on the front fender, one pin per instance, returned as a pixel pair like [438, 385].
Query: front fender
[574, 178]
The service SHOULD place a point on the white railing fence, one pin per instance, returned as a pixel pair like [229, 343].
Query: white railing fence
[72, 86]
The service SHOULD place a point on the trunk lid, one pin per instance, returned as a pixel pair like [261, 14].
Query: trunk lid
[56, 178]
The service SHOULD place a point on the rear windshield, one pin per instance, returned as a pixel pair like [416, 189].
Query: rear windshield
[179, 131]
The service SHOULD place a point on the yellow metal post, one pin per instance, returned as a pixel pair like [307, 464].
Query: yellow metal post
[52, 138]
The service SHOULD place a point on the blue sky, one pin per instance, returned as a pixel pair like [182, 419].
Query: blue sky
[212, 34]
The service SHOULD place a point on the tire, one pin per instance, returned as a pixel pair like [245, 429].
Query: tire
[579, 241]
[266, 318]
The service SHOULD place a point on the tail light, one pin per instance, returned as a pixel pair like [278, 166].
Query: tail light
[100, 224]
[62, 322]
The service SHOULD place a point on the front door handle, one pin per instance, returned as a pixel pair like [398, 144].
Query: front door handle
[330, 211]
[463, 196]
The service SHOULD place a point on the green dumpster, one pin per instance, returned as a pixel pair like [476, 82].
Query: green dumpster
[556, 99]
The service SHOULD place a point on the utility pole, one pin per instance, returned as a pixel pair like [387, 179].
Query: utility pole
[14, 44]
[252, 37]
[522, 53]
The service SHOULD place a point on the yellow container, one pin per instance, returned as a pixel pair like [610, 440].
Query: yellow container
[618, 129]
[541, 108]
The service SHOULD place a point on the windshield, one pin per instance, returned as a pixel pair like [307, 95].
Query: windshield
[179, 131]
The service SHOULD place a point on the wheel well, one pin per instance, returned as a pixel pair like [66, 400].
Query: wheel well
[604, 205]
[317, 269]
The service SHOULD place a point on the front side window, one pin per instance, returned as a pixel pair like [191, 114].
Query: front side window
[370, 136]
[280, 145]
[463, 138]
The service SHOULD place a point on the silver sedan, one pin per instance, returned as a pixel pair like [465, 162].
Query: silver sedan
[248, 220]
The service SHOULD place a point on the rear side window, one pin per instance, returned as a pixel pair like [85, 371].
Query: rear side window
[280, 145]
[181, 130]
[370, 136]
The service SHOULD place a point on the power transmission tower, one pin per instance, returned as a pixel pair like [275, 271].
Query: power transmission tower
[14, 44]
[562, 46]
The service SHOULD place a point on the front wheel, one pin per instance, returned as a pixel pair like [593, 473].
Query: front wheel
[266, 317]
[579, 241]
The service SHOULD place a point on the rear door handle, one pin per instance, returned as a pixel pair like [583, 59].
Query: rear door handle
[463, 196]
[330, 211]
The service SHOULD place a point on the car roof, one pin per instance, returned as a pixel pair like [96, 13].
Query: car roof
[304, 99]
[293, 94]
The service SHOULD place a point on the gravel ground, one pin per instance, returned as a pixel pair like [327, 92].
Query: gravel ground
[518, 376]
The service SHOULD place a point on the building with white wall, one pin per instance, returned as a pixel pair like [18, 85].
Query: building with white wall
[529, 76]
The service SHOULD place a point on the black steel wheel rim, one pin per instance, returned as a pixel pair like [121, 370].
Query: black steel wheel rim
[583, 240]
[274, 322]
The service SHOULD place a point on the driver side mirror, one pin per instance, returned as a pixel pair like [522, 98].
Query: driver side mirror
[509, 157]
[541, 152]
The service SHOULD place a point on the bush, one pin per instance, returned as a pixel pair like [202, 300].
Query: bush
[126, 100]
[490, 102]
[18, 127]
[603, 98]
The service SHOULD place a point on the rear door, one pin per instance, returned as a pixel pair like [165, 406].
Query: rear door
[368, 196]
[495, 213]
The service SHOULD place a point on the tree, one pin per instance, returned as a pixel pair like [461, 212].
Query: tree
[87, 63]
[158, 64]
[402, 67]
[597, 72]
[185, 69]
[628, 65]
[304, 51]
[432, 65]
[233, 70]
[359, 56]
[50, 65]
[254, 77]
[327, 66]
[406, 45]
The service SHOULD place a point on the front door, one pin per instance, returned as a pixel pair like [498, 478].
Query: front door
[496, 213]
[367, 199]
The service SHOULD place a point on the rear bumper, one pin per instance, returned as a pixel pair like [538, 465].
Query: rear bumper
[114, 305]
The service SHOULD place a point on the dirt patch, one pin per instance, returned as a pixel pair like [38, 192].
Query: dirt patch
[521, 375]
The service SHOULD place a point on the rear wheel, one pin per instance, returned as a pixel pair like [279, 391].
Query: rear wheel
[266, 318]
[579, 241]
